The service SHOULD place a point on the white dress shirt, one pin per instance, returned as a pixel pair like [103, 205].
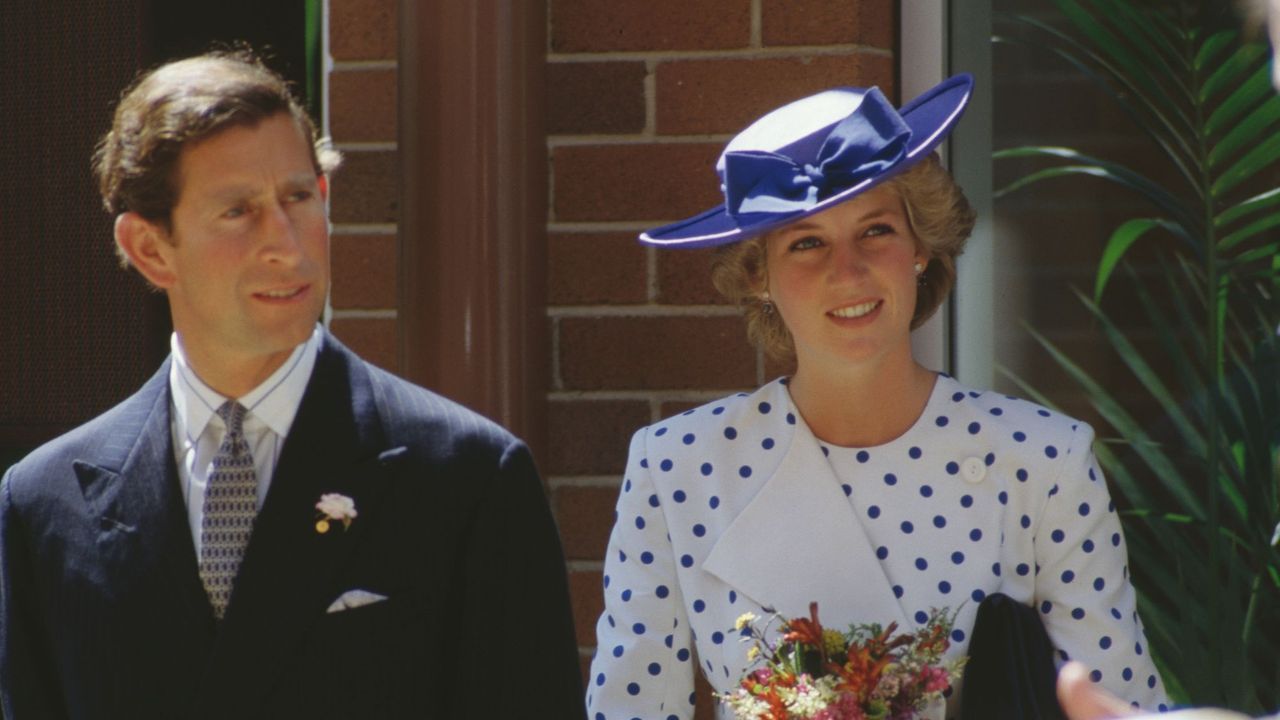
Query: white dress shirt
[198, 430]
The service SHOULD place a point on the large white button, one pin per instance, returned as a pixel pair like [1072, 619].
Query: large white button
[973, 469]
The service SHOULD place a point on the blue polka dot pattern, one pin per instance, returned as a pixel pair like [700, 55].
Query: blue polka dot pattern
[933, 538]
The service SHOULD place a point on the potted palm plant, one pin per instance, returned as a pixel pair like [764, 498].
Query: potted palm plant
[1199, 487]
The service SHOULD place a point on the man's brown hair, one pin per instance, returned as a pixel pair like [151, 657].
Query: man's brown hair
[182, 103]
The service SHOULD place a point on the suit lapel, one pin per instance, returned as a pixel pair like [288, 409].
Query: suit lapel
[336, 445]
[132, 495]
[800, 528]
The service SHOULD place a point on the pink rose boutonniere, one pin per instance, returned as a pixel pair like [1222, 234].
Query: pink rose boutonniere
[334, 506]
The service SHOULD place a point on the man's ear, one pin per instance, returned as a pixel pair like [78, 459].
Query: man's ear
[148, 247]
[323, 181]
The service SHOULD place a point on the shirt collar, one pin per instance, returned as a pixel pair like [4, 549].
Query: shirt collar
[274, 402]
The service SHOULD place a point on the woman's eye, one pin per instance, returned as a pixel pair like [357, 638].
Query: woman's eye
[805, 243]
[879, 229]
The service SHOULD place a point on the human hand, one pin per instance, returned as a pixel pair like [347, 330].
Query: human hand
[1081, 699]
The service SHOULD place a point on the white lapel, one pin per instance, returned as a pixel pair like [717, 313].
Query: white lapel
[799, 541]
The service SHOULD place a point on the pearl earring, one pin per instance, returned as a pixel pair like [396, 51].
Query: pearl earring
[919, 268]
[765, 303]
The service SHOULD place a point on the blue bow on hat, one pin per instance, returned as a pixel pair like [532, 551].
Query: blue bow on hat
[813, 153]
[868, 142]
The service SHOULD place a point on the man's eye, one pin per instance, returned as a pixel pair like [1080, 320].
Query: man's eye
[235, 212]
[805, 243]
[300, 196]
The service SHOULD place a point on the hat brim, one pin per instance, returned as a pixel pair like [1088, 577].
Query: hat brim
[931, 117]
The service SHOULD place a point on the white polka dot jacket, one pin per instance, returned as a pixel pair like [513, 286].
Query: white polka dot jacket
[735, 506]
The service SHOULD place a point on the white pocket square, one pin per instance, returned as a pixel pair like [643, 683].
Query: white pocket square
[352, 599]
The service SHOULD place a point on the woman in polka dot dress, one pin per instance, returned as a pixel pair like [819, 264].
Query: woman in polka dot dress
[864, 482]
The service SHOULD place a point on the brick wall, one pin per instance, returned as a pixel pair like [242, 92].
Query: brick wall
[362, 122]
[641, 98]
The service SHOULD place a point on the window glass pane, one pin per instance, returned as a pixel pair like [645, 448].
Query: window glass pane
[1172, 127]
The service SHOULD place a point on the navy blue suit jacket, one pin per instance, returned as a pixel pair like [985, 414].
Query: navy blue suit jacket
[102, 614]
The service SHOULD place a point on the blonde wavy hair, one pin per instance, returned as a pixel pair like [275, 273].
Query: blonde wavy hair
[939, 215]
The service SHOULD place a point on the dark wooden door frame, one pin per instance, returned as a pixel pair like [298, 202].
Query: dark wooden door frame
[473, 205]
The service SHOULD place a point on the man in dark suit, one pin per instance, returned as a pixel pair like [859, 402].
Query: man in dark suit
[270, 527]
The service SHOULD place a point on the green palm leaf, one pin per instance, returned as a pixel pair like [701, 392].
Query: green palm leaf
[1167, 124]
[1157, 40]
[1255, 96]
[1262, 157]
[1203, 504]
[1095, 167]
[1227, 75]
[1122, 239]
[1259, 203]
[1125, 58]
[1149, 379]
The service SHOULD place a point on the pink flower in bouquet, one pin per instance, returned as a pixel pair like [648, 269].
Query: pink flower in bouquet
[935, 679]
[864, 673]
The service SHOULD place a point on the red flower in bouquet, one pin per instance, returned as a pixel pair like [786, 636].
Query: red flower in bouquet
[864, 673]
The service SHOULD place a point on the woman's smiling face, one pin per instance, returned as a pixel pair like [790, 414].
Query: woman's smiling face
[844, 281]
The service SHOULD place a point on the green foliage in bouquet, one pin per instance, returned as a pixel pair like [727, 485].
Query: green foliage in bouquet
[1202, 528]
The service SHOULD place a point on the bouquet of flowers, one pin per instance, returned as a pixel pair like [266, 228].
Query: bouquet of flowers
[864, 673]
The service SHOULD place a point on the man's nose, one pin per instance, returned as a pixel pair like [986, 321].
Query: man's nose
[279, 235]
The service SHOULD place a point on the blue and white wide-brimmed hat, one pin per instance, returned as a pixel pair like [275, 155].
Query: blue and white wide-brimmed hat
[814, 153]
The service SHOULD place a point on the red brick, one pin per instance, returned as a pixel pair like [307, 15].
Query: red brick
[590, 437]
[595, 97]
[364, 271]
[705, 703]
[777, 368]
[672, 408]
[366, 188]
[373, 339]
[644, 353]
[587, 596]
[585, 517]
[362, 106]
[684, 278]
[595, 269]
[584, 666]
[711, 96]
[828, 22]
[650, 182]
[606, 25]
[362, 29]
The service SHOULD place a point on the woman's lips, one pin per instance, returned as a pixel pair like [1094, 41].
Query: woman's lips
[282, 294]
[856, 310]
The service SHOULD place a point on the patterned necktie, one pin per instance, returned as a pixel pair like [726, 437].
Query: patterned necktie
[230, 503]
